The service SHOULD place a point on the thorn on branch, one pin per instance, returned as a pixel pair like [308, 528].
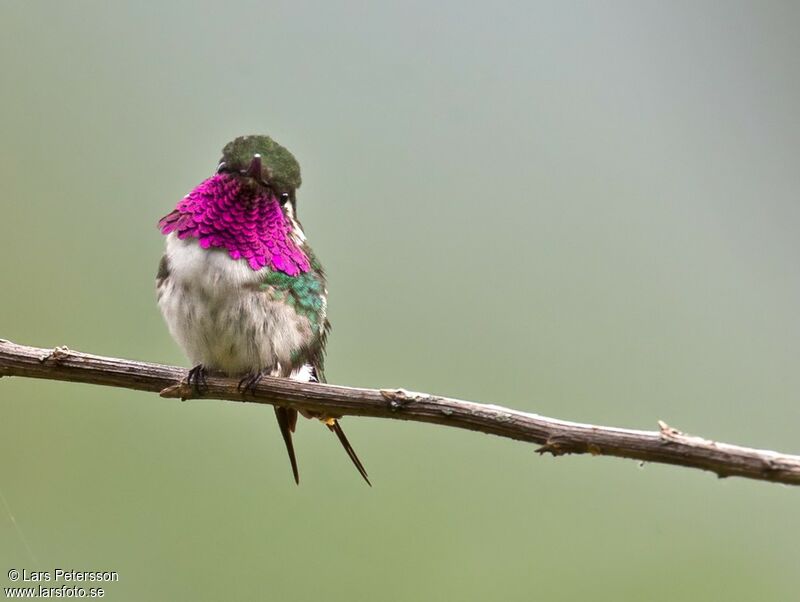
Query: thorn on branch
[180, 390]
[673, 435]
[552, 447]
[399, 398]
[667, 432]
[57, 355]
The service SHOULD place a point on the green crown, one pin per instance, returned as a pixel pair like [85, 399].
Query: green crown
[278, 165]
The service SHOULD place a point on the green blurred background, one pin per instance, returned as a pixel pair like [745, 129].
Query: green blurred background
[586, 210]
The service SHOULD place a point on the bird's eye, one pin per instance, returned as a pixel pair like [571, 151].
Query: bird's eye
[284, 198]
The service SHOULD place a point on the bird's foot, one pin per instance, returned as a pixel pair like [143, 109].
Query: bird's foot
[197, 379]
[249, 382]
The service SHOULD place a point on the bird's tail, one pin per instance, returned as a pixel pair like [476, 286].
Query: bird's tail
[287, 420]
[336, 428]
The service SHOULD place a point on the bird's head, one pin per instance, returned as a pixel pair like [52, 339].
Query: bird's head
[259, 161]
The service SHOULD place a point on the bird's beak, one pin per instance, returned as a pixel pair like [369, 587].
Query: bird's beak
[254, 171]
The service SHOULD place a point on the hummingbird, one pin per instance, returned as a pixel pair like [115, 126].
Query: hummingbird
[239, 287]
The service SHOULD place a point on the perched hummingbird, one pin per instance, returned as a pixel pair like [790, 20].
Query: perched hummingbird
[239, 287]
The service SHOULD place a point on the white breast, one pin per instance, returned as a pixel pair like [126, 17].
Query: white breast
[217, 312]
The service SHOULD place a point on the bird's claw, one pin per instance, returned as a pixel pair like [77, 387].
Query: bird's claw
[249, 382]
[197, 379]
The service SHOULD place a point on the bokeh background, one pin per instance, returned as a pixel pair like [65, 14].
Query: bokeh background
[586, 210]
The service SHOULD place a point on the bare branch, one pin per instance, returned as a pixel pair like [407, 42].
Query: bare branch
[557, 437]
